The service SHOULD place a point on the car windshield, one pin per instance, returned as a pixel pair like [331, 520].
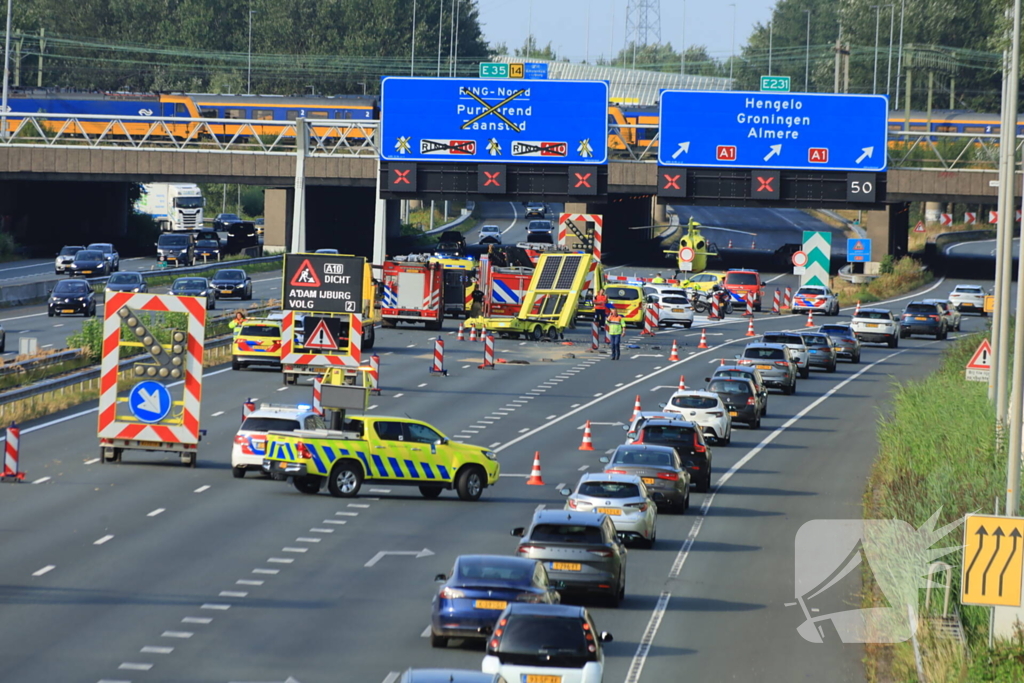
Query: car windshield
[609, 489]
[189, 202]
[837, 330]
[124, 279]
[494, 568]
[810, 291]
[661, 433]
[539, 226]
[70, 251]
[729, 387]
[230, 275]
[567, 533]
[89, 255]
[447, 246]
[208, 244]
[815, 340]
[920, 308]
[677, 300]
[765, 354]
[968, 290]
[489, 228]
[547, 641]
[269, 424]
[782, 339]
[272, 331]
[697, 402]
[67, 287]
[228, 217]
[875, 315]
[103, 248]
[742, 279]
[634, 456]
[622, 294]
[189, 283]
[734, 374]
[173, 241]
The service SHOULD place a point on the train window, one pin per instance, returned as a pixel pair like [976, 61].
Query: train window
[980, 129]
[291, 114]
[895, 126]
[180, 109]
[946, 129]
[919, 128]
[263, 114]
[317, 114]
[234, 113]
[343, 114]
[208, 113]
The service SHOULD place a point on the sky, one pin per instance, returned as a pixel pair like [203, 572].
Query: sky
[563, 23]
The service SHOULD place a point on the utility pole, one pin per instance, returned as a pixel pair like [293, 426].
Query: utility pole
[248, 82]
[771, 28]
[682, 58]
[7, 73]
[995, 377]
[807, 57]
[42, 49]
[888, 68]
[732, 50]
[412, 49]
[874, 78]
[838, 50]
[899, 54]
[17, 60]
[440, 23]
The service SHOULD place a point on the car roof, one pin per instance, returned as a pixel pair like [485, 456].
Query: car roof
[813, 334]
[229, 270]
[447, 676]
[500, 560]
[874, 310]
[568, 517]
[766, 345]
[662, 422]
[934, 301]
[702, 393]
[543, 610]
[603, 476]
[921, 301]
[98, 245]
[741, 270]
[644, 447]
[281, 411]
[127, 272]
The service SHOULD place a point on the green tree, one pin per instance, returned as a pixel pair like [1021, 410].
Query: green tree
[529, 50]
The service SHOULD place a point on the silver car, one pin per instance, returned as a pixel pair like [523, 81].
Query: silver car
[581, 551]
[490, 234]
[66, 256]
[952, 316]
[622, 497]
[659, 467]
[821, 349]
[775, 363]
[796, 345]
[844, 341]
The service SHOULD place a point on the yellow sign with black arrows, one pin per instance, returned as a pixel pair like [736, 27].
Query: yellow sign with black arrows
[993, 561]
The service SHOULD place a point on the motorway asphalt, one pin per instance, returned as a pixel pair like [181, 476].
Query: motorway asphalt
[757, 228]
[149, 571]
[35, 270]
[980, 249]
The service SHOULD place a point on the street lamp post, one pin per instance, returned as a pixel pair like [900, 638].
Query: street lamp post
[732, 50]
[248, 81]
[874, 78]
[807, 56]
[412, 50]
[7, 72]
[899, 53]
[888, 67]
[771, 28]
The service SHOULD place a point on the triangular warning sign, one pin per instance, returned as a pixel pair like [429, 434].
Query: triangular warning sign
[305, 276]
[858, 246]
[982, 358]
[919, 227]
[321, 338]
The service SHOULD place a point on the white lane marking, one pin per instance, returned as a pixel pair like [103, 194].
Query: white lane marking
[551, 417]
[176, 634]
[780, 275]
[156, 512]
[103, 539]
[218, 413]
[496, 443]
[426, 633]
[282, 388]
[466, 367]
[46, 346]
[598, 394]
[373, 407]
[358, 505]
[41, 480]
[619, 384]
[515, 219]
[232, 594]
[59, 325]
[249, 582]
[421, 385]
[575, 405]
[307, 539]
[266, 571]
[317, 530]
[92, 461]
[202, 488]
[135, 666]
[524, 430]
[284, 560]
[509, 474]
[559, 487]
[196, 620]
[584, 467]
[391, 677]
[157, 650]
[539, 507]
[398, 396]
[45, 570]
[294, 550]
[215, 605]
[338, 522]
[639, 659]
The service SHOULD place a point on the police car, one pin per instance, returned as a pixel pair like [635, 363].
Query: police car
[815, 299]
[250, 442]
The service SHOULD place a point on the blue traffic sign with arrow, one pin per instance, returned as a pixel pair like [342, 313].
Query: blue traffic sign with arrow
[149, 401]
[803, 131]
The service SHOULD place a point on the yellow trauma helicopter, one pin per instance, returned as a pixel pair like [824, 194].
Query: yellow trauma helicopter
[702, 249]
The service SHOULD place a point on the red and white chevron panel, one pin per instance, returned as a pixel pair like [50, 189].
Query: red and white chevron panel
[580, 219]
[183, 431]
[290, 356]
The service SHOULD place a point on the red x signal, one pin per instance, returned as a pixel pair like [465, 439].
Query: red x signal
[492, 178]
[671, 182]
[582, 179]
[402, 177]
[766, 184]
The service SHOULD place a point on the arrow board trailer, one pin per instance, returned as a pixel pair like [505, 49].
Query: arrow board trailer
[160, 411]
[800, 131]
[413, 292]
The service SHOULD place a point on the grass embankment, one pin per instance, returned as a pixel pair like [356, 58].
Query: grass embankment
[899, 277]
[937, 452]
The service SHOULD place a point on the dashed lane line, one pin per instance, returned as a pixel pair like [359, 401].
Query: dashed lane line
[45, 570]
[103, 539]
[197, 620]
[156, 512]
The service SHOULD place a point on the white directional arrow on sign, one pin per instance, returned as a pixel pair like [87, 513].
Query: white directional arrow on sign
[683, 147]
[868, 152]
[150, 402]
[776, 150]
[412, 553]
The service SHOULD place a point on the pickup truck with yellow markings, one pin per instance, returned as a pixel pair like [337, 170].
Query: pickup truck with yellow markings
[376, 449]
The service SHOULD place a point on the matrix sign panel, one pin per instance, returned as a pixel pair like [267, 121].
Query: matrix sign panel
[472, 119]
[325, 283]
[773, 130]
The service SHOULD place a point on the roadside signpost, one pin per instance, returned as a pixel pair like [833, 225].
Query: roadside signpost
[818, 248]
[494, 121]
[858, 250]
[775, 83]
[773, 130]
[993, 561]
[493, 70]
[686, 255]
[979, 368]
[527, 70]
[799, 262]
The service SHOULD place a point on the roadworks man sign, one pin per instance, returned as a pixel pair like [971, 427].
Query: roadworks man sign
[324, 283]
[979, 369]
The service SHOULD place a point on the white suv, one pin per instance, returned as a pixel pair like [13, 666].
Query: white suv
[968, 299]
[876, 325]
[798, 350]
[706, 409]
[251, 440]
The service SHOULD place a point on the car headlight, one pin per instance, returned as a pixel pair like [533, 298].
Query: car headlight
[137, 289]
[81, 298]
[490, 455]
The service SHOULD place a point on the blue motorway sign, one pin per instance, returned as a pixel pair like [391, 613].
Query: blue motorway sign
[149, 401]
[773, 130]
[535, 70]
[858, 250]
[500, 121]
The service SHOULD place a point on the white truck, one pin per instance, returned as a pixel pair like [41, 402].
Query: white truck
[175, 206]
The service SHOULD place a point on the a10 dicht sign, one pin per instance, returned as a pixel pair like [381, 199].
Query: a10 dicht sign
[324, 283]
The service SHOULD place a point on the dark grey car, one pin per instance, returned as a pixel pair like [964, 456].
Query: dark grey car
[661, 470]
[580, 551]
[844, 341]
[744, 372]
[196, 286]
[775, 363]
[128, 281]
[109, 253]
[90, 263]
[820, 351]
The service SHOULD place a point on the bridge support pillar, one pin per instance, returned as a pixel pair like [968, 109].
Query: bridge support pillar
[622, 212]
[888, 230]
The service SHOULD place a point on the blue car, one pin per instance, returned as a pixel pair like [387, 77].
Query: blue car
[479, 588]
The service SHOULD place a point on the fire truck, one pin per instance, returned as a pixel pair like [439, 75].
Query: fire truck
[413, 292]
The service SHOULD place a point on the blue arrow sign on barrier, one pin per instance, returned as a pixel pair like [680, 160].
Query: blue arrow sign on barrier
[149, 401]
[858, 250]
[500, 121]
[803, 131]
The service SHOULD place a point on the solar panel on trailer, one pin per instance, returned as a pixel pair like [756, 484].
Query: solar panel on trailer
[568, 274]
[548, 273]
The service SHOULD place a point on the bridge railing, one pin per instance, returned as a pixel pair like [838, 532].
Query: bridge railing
[328, 137]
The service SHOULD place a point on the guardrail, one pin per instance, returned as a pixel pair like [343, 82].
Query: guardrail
[30, 364]
[158, 271]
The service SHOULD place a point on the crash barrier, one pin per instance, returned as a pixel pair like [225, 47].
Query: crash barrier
[776, 307]
[12, 449]
[788, 303]
[650, 320]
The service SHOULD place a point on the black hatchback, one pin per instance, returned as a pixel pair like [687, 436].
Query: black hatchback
[740, 397]
[70, 297]
[688, 440]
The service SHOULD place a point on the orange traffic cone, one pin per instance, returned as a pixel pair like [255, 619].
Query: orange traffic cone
[588, 442]
[636, 408]
[535, 477]
[750, 329]
[472, 333]
[810, 319]
[462, 334]
[682, 382]
[703, 340]
[674, 356]
[856, 311]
